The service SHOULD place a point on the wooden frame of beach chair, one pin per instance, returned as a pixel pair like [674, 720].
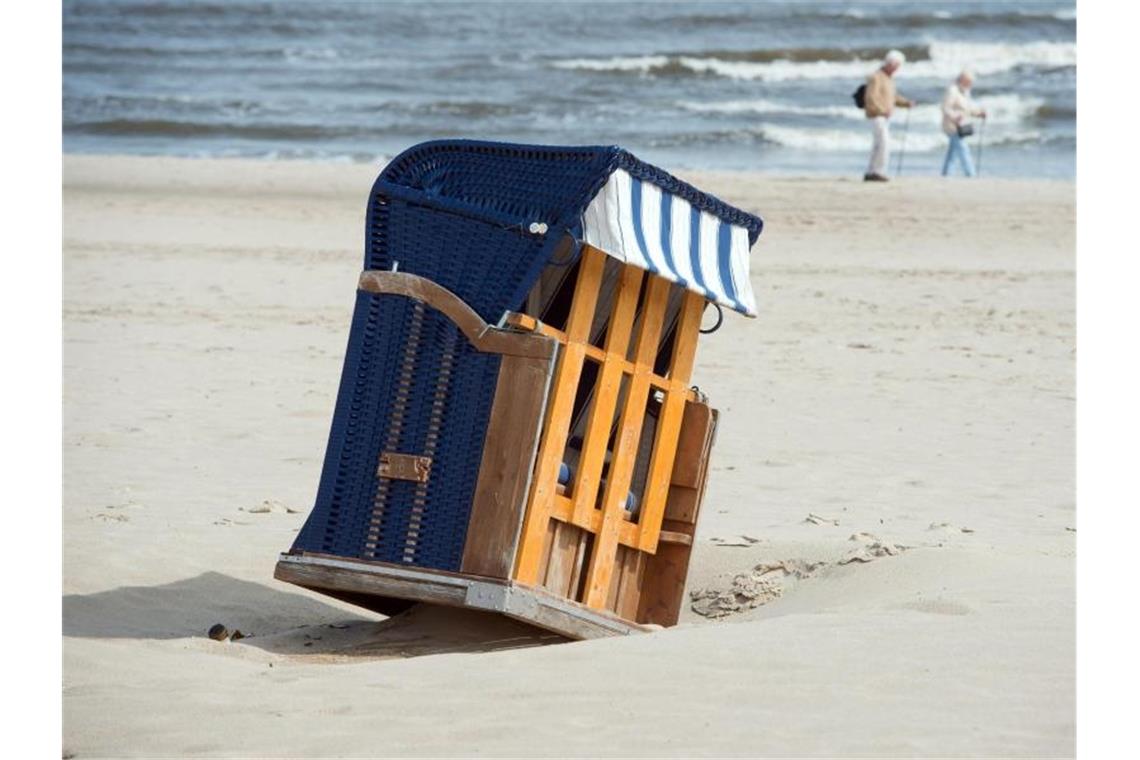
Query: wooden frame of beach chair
[550, 466]
[568, 558]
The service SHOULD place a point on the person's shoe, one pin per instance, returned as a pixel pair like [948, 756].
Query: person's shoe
[874, 178]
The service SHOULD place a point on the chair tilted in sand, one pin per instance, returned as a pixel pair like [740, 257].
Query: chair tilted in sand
[515, 429]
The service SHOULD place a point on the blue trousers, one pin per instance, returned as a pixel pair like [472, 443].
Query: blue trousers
[960, 151]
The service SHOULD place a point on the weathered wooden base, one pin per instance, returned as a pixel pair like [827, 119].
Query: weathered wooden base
[382, 586]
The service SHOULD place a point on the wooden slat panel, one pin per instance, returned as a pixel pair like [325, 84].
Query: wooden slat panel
[674, 537]
[547, 546]
[588, 476]
[693, 445]
[558, 416]
[615, 580]
[692, 462]
[625, 448]
[509, 451]
[563, 510]
[584, 544]
[669, 426]
[563, 554]
[663, 584]
[632, 575]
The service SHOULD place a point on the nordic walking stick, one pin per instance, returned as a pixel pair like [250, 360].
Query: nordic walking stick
[902, 148]
[981, 143]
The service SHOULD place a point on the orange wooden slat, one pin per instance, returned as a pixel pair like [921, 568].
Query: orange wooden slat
[605, 399]
[559, 411]
[625, 448]
[563, 509]
[669, 424]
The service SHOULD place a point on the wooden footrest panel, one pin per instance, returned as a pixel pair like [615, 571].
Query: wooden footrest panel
[344, 578]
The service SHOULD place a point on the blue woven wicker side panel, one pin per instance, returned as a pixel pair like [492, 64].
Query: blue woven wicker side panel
[412, 384]
[345, 477]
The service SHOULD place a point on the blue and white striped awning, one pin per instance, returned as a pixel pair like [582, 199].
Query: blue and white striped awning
[637, 222]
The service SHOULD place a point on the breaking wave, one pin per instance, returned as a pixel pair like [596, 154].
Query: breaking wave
[1000, 109]
[937, 60]
[853, 141]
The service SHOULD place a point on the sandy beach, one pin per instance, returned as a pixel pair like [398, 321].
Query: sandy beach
[897, 426]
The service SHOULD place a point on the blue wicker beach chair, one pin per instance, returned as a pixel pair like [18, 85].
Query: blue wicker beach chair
[514, 428]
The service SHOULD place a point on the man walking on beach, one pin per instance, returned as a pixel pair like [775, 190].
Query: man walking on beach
[957, 108]
[879, 102]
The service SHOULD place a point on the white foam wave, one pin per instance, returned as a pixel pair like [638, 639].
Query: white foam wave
[762, 106]
[642, 63]
[845, 140]
[1000, 109]
[859, 141]
[946, 60]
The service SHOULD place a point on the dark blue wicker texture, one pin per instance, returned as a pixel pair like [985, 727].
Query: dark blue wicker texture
[458, 213]
[345, 520]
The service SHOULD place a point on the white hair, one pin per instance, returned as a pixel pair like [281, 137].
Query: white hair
[894, 56]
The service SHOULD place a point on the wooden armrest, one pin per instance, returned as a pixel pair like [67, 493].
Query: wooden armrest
[483, 336]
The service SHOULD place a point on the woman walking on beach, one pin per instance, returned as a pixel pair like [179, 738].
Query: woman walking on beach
[957, 108]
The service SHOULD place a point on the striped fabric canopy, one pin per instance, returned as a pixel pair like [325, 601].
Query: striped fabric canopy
[602, 195]
[638, 222]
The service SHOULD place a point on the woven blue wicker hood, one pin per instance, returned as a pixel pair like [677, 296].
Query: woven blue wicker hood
[517, 203]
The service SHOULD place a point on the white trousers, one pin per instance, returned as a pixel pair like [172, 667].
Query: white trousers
[881, 145]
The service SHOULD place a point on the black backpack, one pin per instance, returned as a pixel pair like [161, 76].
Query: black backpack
[860, 96]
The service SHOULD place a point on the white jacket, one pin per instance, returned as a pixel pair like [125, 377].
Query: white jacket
[956, 108]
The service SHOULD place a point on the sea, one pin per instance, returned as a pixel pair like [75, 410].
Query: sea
[686, 85]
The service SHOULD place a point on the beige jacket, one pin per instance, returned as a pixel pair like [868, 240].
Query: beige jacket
[881, 97]
[956, 109]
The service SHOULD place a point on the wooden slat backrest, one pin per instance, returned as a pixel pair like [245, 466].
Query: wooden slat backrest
[558, 413]
[606, 517]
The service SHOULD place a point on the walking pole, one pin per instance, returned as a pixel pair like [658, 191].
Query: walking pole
[981, 144]
[902, 148]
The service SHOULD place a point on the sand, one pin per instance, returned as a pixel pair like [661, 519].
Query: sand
[898, 429]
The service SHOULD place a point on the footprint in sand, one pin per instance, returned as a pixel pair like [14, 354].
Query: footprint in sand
[750, 590]
[936, 607]
[270, 506]
[873, 551]
[946, 527]
[763, 583]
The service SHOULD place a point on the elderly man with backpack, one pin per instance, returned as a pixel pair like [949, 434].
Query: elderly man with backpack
[878, 98]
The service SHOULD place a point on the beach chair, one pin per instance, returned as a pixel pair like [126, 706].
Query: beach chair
[515, 429]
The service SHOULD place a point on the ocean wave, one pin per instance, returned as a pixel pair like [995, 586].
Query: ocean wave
[188, 10]
[636, 63]
[1000, 109]
[942, 60]
[857, 18]
[928, 139]
[808, 54]
[173, 128]
[853, 141]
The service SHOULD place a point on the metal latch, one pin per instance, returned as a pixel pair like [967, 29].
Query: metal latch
[397, 466]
